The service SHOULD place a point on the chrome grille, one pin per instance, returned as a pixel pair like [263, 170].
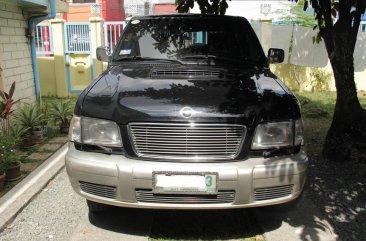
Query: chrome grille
[262, 194]
[98, 190]
[187, 74]
[187, 141]
[149, 196]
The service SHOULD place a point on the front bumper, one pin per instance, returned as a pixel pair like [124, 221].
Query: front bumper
[119, 181]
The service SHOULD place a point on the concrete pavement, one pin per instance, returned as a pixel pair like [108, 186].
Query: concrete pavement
[121, 224]
[303, 223]
[19, 196]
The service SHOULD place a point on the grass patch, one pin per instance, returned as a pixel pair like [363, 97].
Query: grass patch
[317, 112]
[23, 153]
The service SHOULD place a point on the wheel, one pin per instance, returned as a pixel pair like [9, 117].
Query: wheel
[95, 207]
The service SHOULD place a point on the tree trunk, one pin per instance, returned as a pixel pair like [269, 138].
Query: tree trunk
[346, 137]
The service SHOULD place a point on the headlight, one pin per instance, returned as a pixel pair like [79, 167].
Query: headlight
[299, 133]
[278, 134]
[75, 129]
[94, 131]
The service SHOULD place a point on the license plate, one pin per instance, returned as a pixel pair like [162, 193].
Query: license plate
[190, 183]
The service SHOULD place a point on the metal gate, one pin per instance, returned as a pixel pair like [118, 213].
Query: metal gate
[43, 36]
[79, 61]
[112, 32]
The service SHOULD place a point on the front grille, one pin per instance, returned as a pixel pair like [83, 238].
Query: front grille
[98, 190]
[150, 197]
[186, 141]
[262, 194]
[177, 74]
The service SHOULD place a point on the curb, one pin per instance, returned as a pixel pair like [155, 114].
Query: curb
[19, 196]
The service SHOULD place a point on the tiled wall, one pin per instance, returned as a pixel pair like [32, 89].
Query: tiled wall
[15, 53]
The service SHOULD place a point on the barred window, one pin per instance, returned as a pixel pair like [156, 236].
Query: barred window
[83, 1]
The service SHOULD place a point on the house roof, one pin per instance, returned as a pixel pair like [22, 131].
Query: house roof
[38, 6]
[30, 3]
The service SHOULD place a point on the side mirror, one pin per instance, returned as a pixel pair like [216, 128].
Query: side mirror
[275, 55]
[103, 53]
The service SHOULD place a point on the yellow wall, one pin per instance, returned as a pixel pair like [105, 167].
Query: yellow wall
[47, 75]
[79, 71]
[295, 77]
[298, 78]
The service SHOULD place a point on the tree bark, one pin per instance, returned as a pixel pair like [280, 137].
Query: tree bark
[346, 137]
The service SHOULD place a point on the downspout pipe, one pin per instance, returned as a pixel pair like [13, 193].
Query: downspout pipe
[32, 22]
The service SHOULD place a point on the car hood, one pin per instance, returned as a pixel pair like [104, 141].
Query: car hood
[135, 94]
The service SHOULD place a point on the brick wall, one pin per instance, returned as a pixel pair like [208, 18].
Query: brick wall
[15, 53]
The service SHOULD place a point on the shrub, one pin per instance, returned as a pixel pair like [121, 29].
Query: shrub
[61, 112]
[29, 116]
[319, 79]
[7, 152]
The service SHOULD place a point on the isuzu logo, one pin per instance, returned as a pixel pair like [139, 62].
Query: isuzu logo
[186, 112]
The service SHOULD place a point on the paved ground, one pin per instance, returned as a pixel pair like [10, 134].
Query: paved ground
[305, 222]
[52, 215]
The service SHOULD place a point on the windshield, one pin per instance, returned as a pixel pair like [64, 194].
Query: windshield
[183, 38]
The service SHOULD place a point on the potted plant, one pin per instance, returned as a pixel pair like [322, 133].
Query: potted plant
[44, 110]
[6, 108]
[18, 133]
[30, 117]
[9, 159]
[61, 113]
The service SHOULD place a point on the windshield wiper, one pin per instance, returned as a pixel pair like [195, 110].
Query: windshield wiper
[279, 150]
[148, 59]
[104, 148]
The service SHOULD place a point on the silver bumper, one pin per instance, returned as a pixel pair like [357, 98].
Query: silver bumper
[244, 178]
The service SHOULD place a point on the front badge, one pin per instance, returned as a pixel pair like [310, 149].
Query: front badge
[186, 112]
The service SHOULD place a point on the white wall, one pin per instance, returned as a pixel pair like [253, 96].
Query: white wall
[251, 9]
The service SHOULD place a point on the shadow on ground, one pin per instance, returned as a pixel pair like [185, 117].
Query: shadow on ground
[332, 208]
[124, 220]
[236, 224]
[205, 225]
[301, 222]
[338, 189]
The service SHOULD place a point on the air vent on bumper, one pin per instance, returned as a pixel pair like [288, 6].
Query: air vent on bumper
[268, 193]
[98, 190]
[148, 196]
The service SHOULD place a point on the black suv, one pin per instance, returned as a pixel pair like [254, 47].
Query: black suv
[188, 115]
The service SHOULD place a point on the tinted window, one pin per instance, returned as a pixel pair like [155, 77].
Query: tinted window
[178, 38]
